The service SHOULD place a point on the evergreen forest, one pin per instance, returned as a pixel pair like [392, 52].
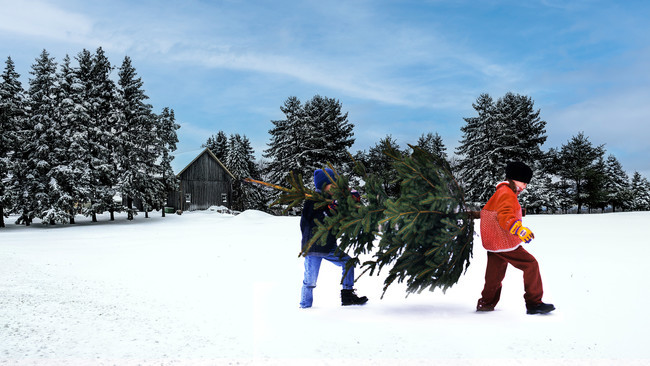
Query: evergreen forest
[81, 139]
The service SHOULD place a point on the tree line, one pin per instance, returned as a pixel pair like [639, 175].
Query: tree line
[75, 141]
[576, 176]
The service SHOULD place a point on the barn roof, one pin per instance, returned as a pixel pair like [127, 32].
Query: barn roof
[204, 151]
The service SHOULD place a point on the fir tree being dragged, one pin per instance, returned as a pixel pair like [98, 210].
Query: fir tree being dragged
[423, 236]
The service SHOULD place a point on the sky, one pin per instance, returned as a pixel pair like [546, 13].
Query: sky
[399, 68]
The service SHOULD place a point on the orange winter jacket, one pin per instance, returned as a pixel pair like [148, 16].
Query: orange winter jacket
[497, 217]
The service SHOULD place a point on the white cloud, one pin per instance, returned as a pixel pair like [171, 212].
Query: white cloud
[618, 119]
[359, 56]
[40, 19]
[615, 118]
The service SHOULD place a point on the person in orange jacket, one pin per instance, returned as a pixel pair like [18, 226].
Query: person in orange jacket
[502, 234]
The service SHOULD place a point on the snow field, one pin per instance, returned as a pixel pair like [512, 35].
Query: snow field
[208, 288]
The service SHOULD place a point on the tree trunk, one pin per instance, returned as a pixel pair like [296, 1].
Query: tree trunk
[129, 205]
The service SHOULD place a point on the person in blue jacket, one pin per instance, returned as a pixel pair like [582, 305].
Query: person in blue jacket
[329, 252]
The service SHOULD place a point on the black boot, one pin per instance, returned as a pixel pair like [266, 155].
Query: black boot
[348, 297]
[540, 308]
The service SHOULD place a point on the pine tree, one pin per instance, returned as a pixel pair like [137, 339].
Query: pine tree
[505, 131]
[241, 163]
[267, 195]
[479, 166]
[564, 195]
[576, 162]
[596, 194]
[108, 121]
[97, 141]
[540, 193]
[310, 136]
[329, 134]
[33, 160]
[377, 162]
[218, 144]
[522, 130]
[433, 144]
[12, 114]
[70, 171]
[137, 138]
[258, 197]
[429, 233]
[287, 142]
[237, 162]
[238, 157]
[640, 192]
[616, 184]
[425, 235]
[646, 193]
[166, 145]
[560, 187]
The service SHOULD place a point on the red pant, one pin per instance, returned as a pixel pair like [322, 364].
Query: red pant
[496, 270]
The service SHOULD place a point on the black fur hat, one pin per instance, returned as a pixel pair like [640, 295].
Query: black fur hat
[517, 170]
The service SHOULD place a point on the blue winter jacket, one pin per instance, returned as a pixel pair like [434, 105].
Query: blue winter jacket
[308, 225]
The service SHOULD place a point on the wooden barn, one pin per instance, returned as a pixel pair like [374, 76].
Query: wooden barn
[203, 183]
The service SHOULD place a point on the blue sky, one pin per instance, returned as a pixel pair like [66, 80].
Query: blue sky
[402, 68]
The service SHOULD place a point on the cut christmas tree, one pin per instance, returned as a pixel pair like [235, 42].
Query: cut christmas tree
[423, 236]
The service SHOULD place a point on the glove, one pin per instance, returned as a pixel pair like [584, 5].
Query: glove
[522, 232]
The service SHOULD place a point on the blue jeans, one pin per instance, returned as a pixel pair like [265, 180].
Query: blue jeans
[312, 266]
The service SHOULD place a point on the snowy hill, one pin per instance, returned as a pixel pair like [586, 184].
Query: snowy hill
[206, 288]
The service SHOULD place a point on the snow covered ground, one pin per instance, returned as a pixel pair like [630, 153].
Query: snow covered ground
[207, 288]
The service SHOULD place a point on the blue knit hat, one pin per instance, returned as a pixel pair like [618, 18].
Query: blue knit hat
[321, 179]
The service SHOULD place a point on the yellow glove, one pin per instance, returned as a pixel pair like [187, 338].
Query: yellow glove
[522, 232]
